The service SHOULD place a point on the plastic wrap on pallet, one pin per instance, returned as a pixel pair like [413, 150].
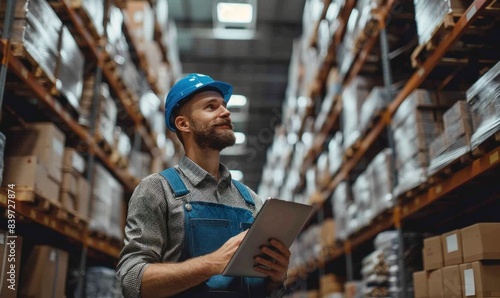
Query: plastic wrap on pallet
[95, 12]
[332, 15]
[114, 30]
[361, 196]
[139, 18]
[353, 97]
[381, 175]
[429, 14]
[161, 13]
[327, 105]
[484, 99]
[375, 102]
[340, 202]
[106, 215]
[70, 69]
[417, 98]
[149, 103]
[122, 142]
[37, 27]
[310, 16]
[102, 282]
[335, 152]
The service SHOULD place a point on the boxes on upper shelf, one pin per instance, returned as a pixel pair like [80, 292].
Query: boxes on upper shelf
[435, 283]
[452, 248]
[421, 284]
[452, 283]
[433, 253]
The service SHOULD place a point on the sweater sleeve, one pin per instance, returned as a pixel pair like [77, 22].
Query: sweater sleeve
[145, 234]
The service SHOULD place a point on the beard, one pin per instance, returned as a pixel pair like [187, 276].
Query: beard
[210, 137]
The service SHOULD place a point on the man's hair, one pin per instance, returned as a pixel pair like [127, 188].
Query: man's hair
[176, 112]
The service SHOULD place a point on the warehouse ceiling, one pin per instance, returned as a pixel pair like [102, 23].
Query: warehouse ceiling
[255, 63]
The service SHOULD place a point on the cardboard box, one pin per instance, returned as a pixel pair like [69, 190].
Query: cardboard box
[10, 264]
[68, 201]
[480, 280]
[481, 242]
[44, 140]
[44, 274]
[452, 284]
[452, 248]
[421, 284]
[28, 174]
[83, 197]
[331, 283]
[327, 233]
[436, 283]
[73, 161]
[433, 253]
[70, 183]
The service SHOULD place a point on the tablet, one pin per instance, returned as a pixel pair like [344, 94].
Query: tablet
[278, 219]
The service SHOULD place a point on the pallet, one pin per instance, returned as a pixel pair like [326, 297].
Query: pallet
[422, 51]
[492, 142]
[37, 200]
[413, 192]
[46, 80]
[71, 218]
[451, 168]
[77, 6]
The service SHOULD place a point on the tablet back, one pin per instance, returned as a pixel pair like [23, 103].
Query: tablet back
[281, 220]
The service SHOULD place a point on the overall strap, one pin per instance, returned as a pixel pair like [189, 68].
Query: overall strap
[244, 192]
[175, 182]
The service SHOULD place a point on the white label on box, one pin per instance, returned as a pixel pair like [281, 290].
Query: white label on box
[58, 147]
[78, 163]
[2, 238]
[451, 243]
[470, 289]
[52, 256]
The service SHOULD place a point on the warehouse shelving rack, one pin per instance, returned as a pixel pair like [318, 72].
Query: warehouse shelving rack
[90, 244]
[411, 202]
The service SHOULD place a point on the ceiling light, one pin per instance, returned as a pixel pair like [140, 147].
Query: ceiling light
[237, 100]
[236, 175]
[234, 12]
[240, 138]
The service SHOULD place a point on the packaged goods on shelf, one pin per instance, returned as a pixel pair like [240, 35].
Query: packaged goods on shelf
[140, 164]
[451, 244]
[107, 110]
[122, 144]
[335, 153]
[421, 284]
[415, 125]
[484, 99]
[44, 140]
[313, 10]
[161, 13]
[340, 202]
[170, 42]
[70, 69]
[433, 253]
[2, 151]
[480, 279]
[36, 28]
[154, 57]
[452, 285]
[95, 12]
[310, 63]
[10, 267]
[435, 283]
[381, 180]
[353, 97]
[332, 15]
[114, 30]
[361, 197]
[165, 80]
[381, 270]
[375, 102]
[327, 104]
[106, 215]
[455, 139]
[102, 282]
[149, 103]
[430, 15]
[139, 19]
[44, 273]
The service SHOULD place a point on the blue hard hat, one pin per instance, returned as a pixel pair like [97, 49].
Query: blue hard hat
[189, 85]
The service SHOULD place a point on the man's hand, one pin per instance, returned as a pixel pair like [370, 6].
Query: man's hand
[221, 257]
[274, 261]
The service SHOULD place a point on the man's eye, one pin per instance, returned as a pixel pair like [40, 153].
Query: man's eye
[211, 107]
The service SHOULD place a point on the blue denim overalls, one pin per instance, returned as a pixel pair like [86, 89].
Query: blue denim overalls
[207, 226]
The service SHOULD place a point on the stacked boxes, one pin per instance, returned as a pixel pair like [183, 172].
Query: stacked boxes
[139, 18]
[44, 274]
[340, 202]
[455, 139]
[330, 284]
[461, 263]
[375, 102]
[95, 12]
[34, 159]
[380, 174]
[353, 97]
[75, 189]
[107, 213]
[484, 100]
[415, 125]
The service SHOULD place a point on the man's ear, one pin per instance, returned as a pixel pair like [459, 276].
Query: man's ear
[182, 123]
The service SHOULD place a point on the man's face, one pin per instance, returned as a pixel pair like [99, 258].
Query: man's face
[210, 121]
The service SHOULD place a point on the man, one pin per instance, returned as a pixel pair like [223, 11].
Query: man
[185, 223]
